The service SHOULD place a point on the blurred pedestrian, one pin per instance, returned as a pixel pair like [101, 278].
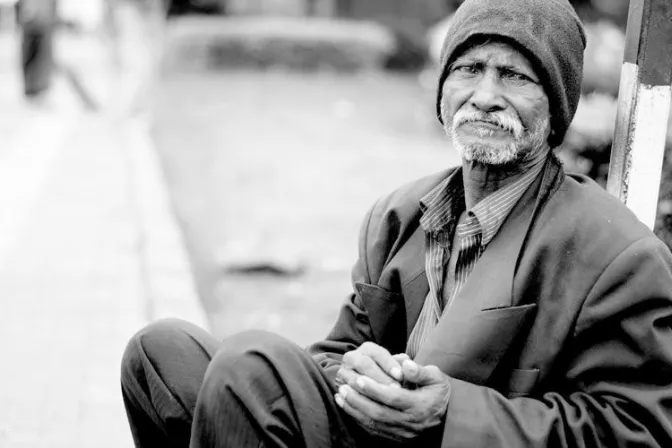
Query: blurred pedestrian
[37, 22]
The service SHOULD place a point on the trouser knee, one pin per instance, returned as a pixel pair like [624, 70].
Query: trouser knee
[151, 343]
[254, 344]
[252, 357]
[265, 387]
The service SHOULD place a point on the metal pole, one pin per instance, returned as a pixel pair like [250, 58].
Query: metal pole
[643, 108]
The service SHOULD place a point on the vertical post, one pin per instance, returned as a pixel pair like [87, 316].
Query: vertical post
[643, 108]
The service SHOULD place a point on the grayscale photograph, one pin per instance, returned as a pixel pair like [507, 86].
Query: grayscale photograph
[335, 223]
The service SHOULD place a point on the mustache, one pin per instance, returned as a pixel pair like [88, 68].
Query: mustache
[503, 120]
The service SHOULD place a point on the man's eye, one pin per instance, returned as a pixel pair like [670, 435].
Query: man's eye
[516, 76]
[468, 69]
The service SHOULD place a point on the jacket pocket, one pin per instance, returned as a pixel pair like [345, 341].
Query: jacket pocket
[387, 316]
[477, 341]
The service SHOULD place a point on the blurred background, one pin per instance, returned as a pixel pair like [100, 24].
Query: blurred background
[212, 160]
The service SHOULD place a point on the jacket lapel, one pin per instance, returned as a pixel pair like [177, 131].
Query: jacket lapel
[483, 320]
[409, 263]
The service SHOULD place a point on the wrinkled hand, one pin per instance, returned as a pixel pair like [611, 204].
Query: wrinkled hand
[393, 411]
[373, 361]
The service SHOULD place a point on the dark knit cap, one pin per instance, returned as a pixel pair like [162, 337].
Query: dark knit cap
[548, 32]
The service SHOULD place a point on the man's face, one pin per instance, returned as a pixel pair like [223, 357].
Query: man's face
[494, 107]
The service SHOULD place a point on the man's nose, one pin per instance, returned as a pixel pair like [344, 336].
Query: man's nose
[487, 94]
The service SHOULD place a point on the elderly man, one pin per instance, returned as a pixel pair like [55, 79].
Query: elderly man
[502, 303]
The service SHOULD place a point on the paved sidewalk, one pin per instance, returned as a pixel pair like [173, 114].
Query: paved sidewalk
[89, 252]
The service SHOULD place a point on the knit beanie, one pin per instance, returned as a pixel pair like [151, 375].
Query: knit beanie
[548, 32]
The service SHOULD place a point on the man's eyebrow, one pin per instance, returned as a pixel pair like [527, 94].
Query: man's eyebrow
[513, 67]
[487, 62]
[471, 59]
[520, 69]
[502, 66]
[467, 59]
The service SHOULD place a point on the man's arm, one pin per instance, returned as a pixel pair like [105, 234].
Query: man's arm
[615, 388]
[385, 224]
[352, 327]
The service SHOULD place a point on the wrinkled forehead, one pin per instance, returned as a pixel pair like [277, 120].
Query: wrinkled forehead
[482, 44]
[498, 52]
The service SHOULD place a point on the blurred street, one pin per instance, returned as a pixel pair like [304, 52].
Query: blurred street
[274, 171]
[89, 252]
[205, 169]
[89, 247]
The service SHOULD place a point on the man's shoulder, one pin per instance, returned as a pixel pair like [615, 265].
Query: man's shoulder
[583, 204]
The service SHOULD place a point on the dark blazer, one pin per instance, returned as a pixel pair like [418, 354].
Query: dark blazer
[561, 335]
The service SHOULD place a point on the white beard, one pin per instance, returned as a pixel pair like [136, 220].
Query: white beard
[485, 154]
[526, 143]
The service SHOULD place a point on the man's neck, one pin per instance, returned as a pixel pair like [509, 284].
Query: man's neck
[482, 180]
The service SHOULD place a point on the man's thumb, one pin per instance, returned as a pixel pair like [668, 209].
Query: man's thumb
[421, 375]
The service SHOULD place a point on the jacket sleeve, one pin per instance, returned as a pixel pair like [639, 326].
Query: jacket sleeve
[615, 389]
[352, 327]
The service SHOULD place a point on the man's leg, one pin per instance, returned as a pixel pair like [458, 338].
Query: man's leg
[263, 390]
[161, 374]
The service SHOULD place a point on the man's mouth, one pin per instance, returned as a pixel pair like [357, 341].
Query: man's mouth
[486, 125]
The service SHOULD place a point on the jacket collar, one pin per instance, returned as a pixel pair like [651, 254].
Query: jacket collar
[485, 318]
[510, 242]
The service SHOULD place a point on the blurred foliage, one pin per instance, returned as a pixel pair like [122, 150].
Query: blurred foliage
[397, 34]
[603, 57]
[587, 148]
[279, 42]
[407, 20]
[589, 10]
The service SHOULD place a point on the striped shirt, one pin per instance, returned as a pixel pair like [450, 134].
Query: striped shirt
[447, 224]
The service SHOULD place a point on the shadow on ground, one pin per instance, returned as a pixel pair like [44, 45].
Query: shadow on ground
[283, 166]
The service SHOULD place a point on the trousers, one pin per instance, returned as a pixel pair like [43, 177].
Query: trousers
[184, 388]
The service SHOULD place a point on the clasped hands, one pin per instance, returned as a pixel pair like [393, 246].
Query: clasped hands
[390, 395]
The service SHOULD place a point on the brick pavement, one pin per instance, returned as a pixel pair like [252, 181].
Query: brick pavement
[89, 252]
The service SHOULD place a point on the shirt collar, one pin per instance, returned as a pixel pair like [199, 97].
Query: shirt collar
[443, 205]
[492, 211]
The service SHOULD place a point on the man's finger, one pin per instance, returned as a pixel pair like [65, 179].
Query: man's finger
[421, 375]
[384, 359]
[365, 365]
[374, 413]
[356, 414]
[401, 357]
[345, 375]
[393, 432]
[392, 396]
[373, 361]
